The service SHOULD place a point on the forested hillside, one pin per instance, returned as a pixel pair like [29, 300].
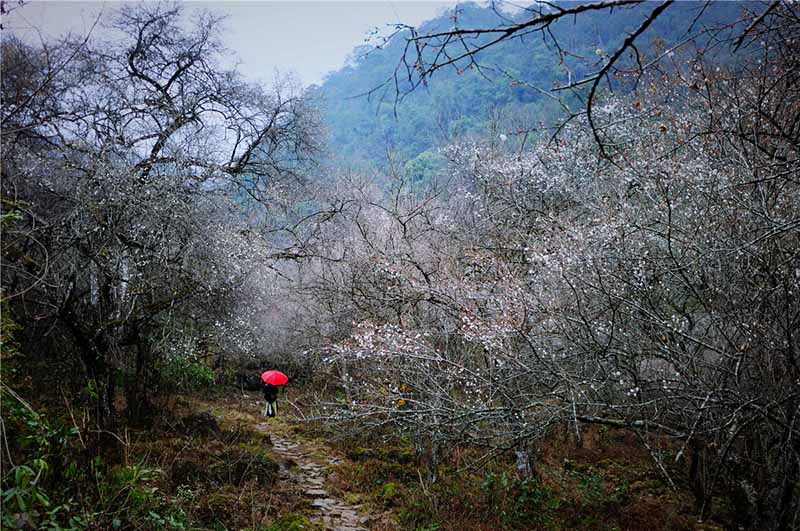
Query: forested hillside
[367, 118]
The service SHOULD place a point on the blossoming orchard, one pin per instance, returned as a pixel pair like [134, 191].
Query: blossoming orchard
[631, 265]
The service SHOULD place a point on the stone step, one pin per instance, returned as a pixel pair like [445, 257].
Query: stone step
[325, 503]
[334, 513]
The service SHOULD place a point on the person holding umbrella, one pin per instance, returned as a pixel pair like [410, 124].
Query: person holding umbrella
[272, 379]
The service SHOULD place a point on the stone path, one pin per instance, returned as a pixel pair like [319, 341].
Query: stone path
[335, 514]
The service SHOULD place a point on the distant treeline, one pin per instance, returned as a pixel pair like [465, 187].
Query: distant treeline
[366, 119]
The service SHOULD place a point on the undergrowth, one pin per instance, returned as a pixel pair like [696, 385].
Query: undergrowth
[61, 473]
[572, 488]
[47, 484]
[189, 472]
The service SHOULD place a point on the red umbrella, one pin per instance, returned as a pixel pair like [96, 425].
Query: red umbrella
[274, 378]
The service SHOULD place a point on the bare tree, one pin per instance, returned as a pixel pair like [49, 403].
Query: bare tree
[654, 290]
[123, 163]
[588, 76]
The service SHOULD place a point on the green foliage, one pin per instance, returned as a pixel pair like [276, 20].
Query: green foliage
[459, 100]
[388, 492]
[8, 346]
[10, 217]
[127, 497]
[423, 168]
[10, 212]
[293, 522]
[517, 501]
[40, 491]
[185, 374]
[590, 486]
[228, 376]
[41, 445]
[23, 496]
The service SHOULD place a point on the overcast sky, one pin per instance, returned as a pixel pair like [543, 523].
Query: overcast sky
[309, 38]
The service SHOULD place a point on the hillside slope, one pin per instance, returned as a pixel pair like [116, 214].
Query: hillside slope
[365, 118]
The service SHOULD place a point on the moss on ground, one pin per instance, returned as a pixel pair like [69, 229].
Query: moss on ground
[206, 466]
[593, 485]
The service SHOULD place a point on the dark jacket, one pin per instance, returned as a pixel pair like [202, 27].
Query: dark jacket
[270, 392]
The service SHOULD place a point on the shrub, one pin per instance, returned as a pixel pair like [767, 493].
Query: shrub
[294, 522]
[40, 444]
[518, 501]
[185, 374]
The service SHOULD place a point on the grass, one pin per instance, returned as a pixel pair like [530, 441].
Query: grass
[607, 483]
[200, 466]
[224, 475]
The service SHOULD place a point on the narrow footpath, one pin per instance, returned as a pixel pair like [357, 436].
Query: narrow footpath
[309, 476]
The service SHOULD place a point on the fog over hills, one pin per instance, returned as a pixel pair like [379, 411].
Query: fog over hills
[367, 118]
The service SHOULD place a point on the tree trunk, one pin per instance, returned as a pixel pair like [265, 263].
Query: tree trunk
[697, 478]
[345, 377]
[139, 391]
[525, 468]
[777, 502]
[99, 380]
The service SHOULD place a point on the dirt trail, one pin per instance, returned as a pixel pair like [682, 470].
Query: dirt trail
[308, 475]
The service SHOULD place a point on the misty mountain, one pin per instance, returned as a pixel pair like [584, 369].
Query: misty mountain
[368, 115]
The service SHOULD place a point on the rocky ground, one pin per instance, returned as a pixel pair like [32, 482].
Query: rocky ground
[305, 468]
[305, 463]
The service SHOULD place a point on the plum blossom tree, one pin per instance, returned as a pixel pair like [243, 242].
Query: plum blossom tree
[125, 166]
[651, 286]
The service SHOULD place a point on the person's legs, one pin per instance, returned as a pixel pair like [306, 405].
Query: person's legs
[266, 406]
[271, 410]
